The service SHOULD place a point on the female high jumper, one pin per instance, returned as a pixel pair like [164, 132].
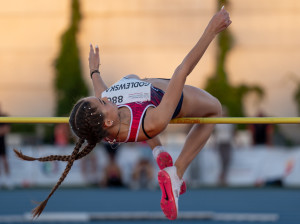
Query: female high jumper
[135, 109]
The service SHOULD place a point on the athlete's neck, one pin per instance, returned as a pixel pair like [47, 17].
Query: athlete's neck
[125, 118]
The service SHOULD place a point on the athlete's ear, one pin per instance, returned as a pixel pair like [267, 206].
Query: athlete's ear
[108, 123]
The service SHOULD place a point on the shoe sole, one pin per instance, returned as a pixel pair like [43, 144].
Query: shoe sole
[165, 160]
[167, 202]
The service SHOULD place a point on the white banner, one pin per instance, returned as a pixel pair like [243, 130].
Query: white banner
[248, 167]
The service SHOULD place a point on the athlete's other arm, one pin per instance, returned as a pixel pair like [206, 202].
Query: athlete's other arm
[157, 119]
[94, 63]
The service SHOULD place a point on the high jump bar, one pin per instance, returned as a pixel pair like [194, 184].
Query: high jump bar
[190, 120]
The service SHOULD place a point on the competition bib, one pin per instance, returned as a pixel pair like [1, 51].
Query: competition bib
[128, 91]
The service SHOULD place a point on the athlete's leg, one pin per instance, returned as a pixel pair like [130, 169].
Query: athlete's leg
[197, 103]
[162, 157]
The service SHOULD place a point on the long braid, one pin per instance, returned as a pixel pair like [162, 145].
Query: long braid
[39, 209]
[63, 158]
[85, 151]
[42, 159]
[87, 123]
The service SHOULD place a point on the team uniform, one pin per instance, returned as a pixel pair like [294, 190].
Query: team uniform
[138, 96]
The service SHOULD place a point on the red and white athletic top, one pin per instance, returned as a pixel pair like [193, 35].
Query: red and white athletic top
[137, 96]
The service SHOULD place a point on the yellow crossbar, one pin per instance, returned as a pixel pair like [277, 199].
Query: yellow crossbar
[237, 120]
[191, 120]
[37, 120]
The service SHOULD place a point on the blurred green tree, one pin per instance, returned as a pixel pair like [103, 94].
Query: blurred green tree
[69, 84]
[219, 85]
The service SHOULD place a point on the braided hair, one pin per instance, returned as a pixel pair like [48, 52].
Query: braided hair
[87, 124]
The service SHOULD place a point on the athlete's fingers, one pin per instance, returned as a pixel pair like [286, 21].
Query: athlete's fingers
[91, 49]
[97, 50]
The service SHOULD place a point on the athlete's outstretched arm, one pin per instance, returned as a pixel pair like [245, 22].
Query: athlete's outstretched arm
[219, 22]
[94, 63]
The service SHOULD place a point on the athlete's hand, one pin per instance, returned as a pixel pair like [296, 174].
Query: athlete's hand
[94, 58]
[219, 22]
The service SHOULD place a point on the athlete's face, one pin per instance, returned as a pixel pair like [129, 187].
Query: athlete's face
[109, 109]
